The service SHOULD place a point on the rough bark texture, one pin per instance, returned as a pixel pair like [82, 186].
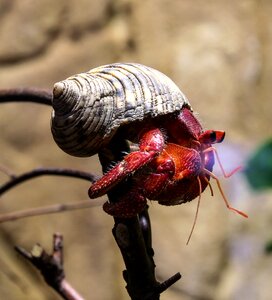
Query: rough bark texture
[218, 52]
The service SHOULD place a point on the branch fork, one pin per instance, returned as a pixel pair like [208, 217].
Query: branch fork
[51, 267]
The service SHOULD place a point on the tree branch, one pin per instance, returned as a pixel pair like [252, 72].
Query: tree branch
[51, 267]
[133, 237]
[35, 95]
[15, 180]
[45, 210]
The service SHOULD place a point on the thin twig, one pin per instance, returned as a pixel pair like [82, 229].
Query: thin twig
[45, 210]
[168, 282]
[51, 267]
[35, 95]
[187, 294]
[15, 180]
[69, 292]
[7, 172]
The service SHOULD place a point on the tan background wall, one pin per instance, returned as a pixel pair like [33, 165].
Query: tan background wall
[218, 52]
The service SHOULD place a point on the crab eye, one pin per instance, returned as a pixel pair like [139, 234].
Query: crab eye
[219, 136]
[211, 137]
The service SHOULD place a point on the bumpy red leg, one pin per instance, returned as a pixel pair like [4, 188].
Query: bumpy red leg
[128, 206]
[163, 170]
[134, 201]
[184, 129]
[151, 144]
[145, 185]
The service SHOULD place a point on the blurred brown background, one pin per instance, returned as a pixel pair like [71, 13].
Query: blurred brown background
[219, 53]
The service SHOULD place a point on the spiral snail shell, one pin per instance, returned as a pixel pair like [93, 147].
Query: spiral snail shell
[88, 108]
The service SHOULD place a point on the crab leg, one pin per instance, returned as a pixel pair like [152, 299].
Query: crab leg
[224, 196]
[151, 144]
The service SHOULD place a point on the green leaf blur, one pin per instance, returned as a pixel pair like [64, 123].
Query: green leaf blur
[259, 168]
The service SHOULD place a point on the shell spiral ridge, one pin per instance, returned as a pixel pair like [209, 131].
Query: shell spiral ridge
[88, 108]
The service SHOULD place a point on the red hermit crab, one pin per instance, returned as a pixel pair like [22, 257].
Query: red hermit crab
[174, 162]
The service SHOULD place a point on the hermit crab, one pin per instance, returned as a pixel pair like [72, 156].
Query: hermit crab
[175, 157]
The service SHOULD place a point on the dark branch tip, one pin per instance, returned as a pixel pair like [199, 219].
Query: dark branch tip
[167, 283]
[23, 252]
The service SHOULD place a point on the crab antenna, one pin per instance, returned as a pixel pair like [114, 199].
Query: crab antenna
[197, 210]
[223, 194]
[226, 175]
[208, 182]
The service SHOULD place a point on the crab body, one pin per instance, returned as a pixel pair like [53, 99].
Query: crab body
[168, 167]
